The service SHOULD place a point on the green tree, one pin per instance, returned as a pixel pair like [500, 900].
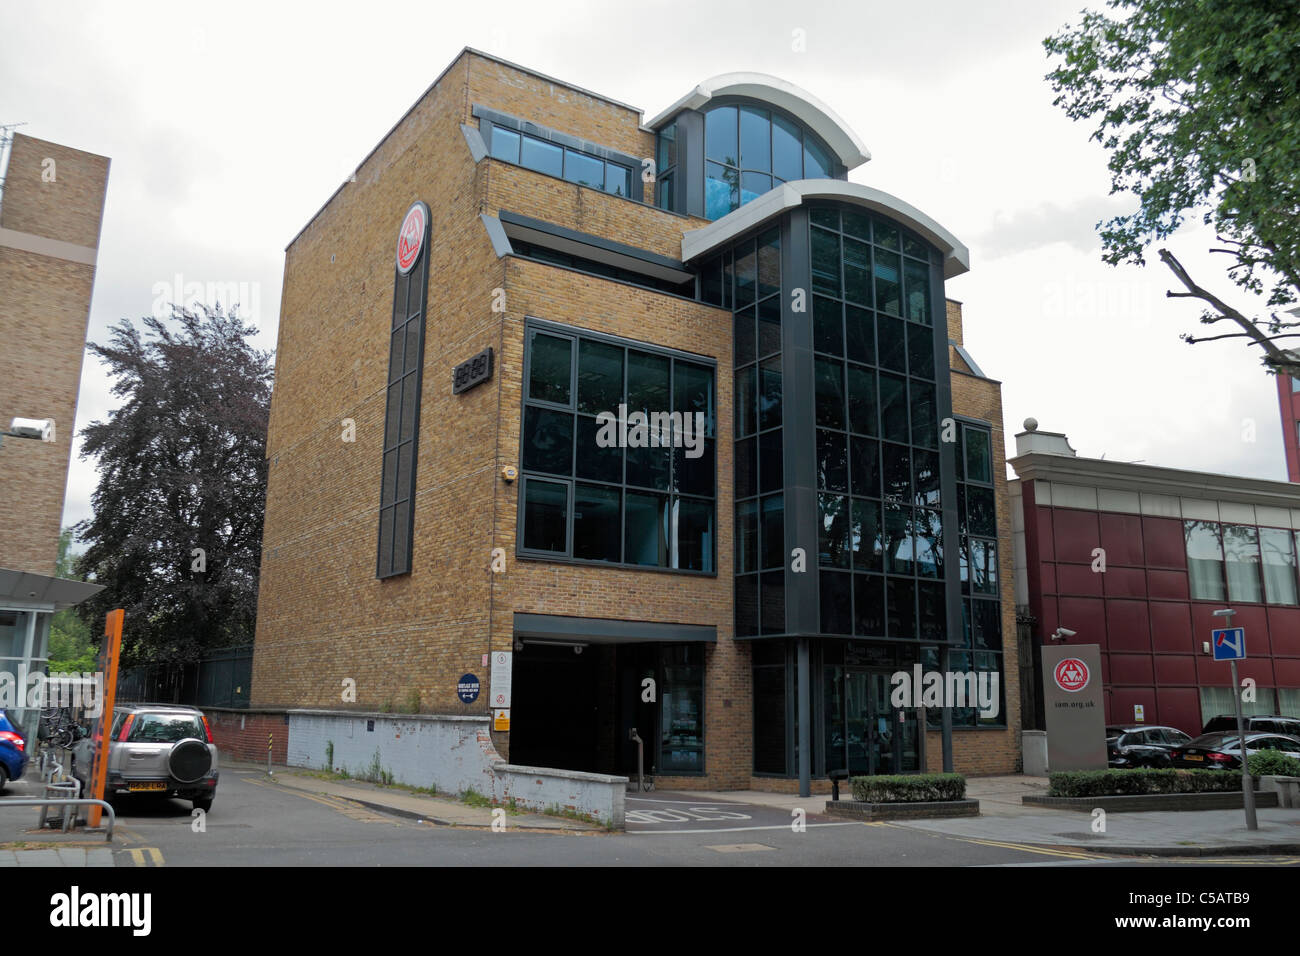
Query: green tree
[177, 528]
[71, 647]
[1198, 104]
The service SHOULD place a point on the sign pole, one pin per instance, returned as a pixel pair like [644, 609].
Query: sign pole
[1247, 781]
[108, 656]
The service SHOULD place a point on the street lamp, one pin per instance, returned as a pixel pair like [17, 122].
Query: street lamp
[1247, 781]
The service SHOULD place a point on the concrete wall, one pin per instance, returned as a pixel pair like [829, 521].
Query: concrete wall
[453, 754]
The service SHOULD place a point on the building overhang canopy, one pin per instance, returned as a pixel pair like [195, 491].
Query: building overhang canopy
[558, 629]
[698, 243]
[596, 248]
[800, 104]
[27, 589]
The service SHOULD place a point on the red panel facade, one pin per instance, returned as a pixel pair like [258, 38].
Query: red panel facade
[1139, 611]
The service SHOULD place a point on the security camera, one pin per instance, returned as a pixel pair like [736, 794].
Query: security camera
[40, 428]
[1062, 633]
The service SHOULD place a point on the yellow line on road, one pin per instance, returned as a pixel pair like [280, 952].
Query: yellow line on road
[154, 855]
[1045, 851]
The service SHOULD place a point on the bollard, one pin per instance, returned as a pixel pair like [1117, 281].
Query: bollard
[269, 739]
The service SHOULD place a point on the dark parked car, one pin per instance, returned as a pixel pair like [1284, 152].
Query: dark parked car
[1141, 745]
[1258, 723]
[13, 750]
[1223, 751]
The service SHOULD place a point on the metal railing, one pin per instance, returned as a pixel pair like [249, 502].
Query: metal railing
[80, 801]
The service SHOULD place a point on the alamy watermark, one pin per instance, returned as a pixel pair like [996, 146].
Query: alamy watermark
[946, 689]
[247, 296]
[651, 430]
[82, 690]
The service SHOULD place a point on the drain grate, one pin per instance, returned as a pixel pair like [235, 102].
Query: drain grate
[741, 847]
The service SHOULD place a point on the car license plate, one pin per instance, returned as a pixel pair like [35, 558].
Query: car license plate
[146, 786]
[1193, 757]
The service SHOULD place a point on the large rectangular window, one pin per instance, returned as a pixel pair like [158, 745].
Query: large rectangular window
[641, 491]
[556, 159]
[1241, 563]
[402, 416]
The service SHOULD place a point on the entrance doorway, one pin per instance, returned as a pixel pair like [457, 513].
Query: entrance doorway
[864, 733]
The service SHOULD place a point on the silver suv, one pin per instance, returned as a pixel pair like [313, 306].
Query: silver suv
[160, 749]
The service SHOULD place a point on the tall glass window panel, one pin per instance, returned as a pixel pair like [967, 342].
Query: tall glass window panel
[546, 509]
[600, 377]
[769, 263]
[771, 474]
[816, 161]
[647, 382]
[859, 335]
[868, 605]
[900, 603]
[694, 534]
[833, 515]
[746, 467]
[1241, 559]
[981, 516]
[925, 416]
[772, 531]
[1204, 560]
[898, 473]
[857, 272]
[920, 351]
[550, 362]
[927, 538]
[721, 190]
[720, 135]
[916, 276]
[745, 340]
[864, 466]
[889, 296]
[646, 539]
[893, 408]
[867, 536]
[832, 461]
[769, 393]
[755, 139]
[983, 567]
[787, 152]
[746, 275]
[932, 612]
[746, 401]
[826, 262]
[828, 326]
[926, 479]
[747, 605]
[862, 400]
[591, 460]
[596, 522]
[1279, 565]
[618, 181]
[830, 393]
[548, 441]
[979, 455]
[769, 325]
[899, 552]
[747, 536]
[773, 602]
[893, 343]
[753, 185]
[836, 589]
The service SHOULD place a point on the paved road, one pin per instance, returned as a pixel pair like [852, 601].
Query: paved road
[255, 822]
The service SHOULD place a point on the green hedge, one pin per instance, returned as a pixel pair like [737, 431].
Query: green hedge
[1105, 783]
[1272, 763]
[909, 788]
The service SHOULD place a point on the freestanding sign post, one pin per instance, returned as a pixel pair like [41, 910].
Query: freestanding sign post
[108, 655]
[1229, 644]
[1073, 707]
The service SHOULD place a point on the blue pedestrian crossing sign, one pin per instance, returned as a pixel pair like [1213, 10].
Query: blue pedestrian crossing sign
[1229, 644]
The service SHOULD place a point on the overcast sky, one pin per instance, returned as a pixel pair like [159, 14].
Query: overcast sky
[230, 124]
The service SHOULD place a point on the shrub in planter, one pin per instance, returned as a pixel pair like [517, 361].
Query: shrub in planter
[1270, 763]
[1108, 783]
[909, 788]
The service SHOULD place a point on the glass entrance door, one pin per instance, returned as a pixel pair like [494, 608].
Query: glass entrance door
[864, 733]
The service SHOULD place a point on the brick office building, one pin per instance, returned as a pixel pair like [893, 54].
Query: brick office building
[50, 213]
[426, 511]
[1136, 558]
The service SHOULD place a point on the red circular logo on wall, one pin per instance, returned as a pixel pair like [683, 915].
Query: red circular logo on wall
[1071, 674]
[411, 237]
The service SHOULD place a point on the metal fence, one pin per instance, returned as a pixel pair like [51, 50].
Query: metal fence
[223, 678]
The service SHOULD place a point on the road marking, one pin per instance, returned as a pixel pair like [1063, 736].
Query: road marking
[780, 826]
[740, 848]
[349, 808]
[154, 854]
[1045, 851]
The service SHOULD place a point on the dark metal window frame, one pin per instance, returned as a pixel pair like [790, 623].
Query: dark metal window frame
[1223, 561]
[416, 280]
[576, 334]
[490, 119]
